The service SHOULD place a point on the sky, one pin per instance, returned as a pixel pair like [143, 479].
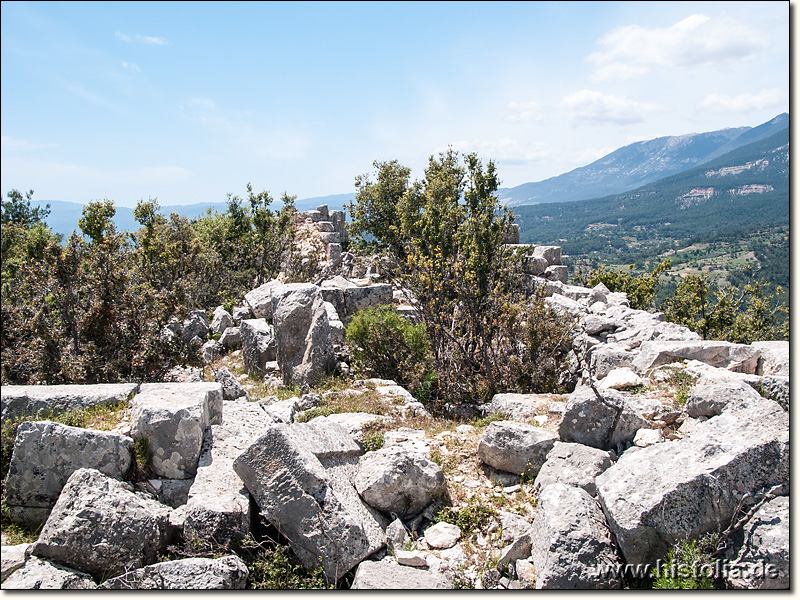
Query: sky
[187, 102]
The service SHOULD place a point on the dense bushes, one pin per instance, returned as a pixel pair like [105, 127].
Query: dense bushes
[92, 308]
[445, 235]
[388, 346]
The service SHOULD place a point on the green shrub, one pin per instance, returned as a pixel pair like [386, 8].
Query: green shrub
[684, 567]
[469, 517]
[278, 569]
[641, 289]
[386, 345]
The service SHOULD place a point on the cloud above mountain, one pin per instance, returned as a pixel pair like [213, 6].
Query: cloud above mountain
[698, 40]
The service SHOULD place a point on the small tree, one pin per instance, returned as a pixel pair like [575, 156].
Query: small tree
[741, 315]
[17, 210]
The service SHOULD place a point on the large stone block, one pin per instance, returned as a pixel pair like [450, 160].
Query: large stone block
[101, 527]
[315, 507]
[218, 507]
[761, 559]
[259, 300]
[606, 420]
[385, 575]
[304, 345]
[573, 464]
[654, 497]
[224, 573]
[46, 454]
[38, 574]
[515, 447]
[172, 418]
[259, 345]
[44, 400]
[571, 542]
[395, 480]
[740, 358]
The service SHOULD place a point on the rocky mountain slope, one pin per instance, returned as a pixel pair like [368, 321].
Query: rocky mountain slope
[638, 164]
[744, 189]
[195, 481]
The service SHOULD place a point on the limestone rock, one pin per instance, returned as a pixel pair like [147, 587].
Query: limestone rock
[47, 453]
[172, 418]
[620, 379]
[569, 540]
[773, 358]
[218, 505]
[231, 388]
[41, 400]
[11, 559]
[224, 573]
[739, 358]
[607, 421]
[711, 400]
[385, 575]
[573, 464]
[39, 574]
[762, 559]
[195, 326]
[220, 320]
[231, 338]
[315, 507]
[259, 345]
[517, 407]
[442, 535]
[654, 497]
[259, 300]
[99, 526]
[302, 329]
[394, 480]
[515, 447]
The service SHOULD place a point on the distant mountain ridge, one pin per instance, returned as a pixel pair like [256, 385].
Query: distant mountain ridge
[742, 190]
[638, 164]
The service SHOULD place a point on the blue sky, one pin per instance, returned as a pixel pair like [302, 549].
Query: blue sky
[187, 101]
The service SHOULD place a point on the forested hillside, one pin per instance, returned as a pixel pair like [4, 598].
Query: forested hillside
[740, 198]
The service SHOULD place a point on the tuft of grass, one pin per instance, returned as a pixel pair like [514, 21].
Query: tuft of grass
[277, 568]
[482, 422]
[470, 517]
[683, 569]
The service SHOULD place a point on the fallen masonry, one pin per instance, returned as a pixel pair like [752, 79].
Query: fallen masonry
[621, 469]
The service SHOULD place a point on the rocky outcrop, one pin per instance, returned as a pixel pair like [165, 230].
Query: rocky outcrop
[101, 527]
[46, 454]
[654, 497]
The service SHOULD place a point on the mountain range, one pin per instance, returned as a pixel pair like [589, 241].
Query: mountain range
[638, 164]
[742, 191]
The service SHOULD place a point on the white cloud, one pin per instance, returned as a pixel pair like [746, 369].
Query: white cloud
[131, 67]
[144, 39]
[593, 107]
[743, 102]
[697, 40]
[521, 112]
